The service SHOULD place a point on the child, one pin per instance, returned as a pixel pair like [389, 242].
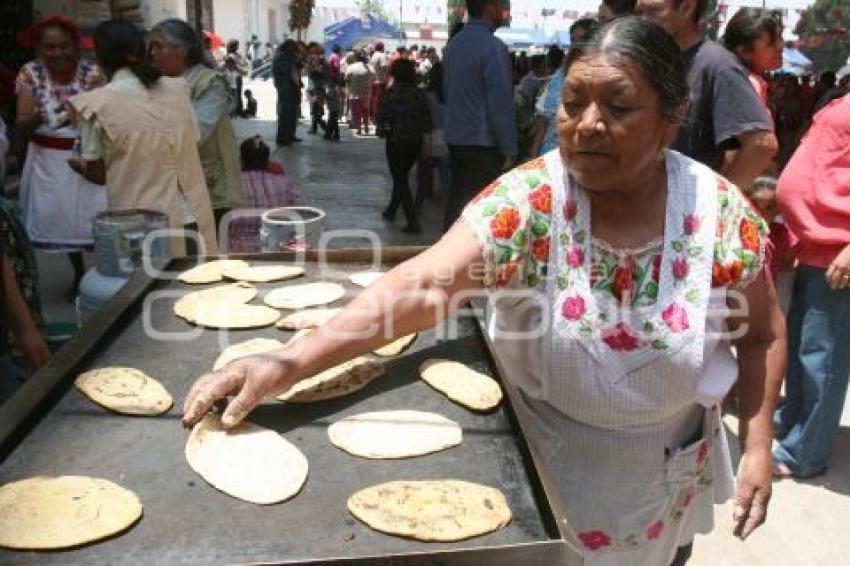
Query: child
[780, 255]
[266, 186]
[250, 104]
[333, 102]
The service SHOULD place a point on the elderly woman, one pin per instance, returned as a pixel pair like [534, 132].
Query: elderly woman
[176, 51]
[58, 204]
[617, 254]
[812, 195]
[138, 137]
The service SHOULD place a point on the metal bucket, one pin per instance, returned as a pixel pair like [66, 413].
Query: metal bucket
[119, 237]
[291, 227]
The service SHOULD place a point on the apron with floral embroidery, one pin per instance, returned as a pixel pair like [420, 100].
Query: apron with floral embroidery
[635, 461]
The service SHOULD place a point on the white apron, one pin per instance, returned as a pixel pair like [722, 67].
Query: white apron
[58, 203]
[625, 412]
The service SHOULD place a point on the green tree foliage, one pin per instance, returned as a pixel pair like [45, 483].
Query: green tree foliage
[300, 14]
[824, 29]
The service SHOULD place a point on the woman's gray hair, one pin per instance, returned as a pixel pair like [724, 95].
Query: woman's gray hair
[179, 34]
[655, 53]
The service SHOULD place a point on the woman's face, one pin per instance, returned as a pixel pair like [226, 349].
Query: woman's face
[611, 130]
[170, 60]
[58, 50]
[765, 54]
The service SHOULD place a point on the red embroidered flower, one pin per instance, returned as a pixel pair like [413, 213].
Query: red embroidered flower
[691, 224]
[573, 308]
[541, 199]
[750, 239]
[540, 249]
[505, 223]
[702, 452]
[486, 192]
[676, 318]
[624, 284]
[594, 540]
[721, 275]
[656, 268]
[654, 530]
[506, 274]
[722, 185]
[680, 267]
[575, 256]
[621, 338]
[570, 209]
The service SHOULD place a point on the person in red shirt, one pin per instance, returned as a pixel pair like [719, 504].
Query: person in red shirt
[815, 202]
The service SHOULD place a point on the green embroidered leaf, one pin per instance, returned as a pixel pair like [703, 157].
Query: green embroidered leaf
[506, 256]
[501, 191]
[651, 290]
[540, 228]
[695, 251]
[580, 235]
[677, 245]
[648, 327]
[603, 317]
[519, 239]
[692, 296]
[489, 209]
[632, 540]
[563, 238]
[532, 180]
[562, 282]
[659, 344]
[532, 280]
[585, 330]
[724, 200]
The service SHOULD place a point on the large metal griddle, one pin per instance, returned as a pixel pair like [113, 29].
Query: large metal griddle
[48, 428]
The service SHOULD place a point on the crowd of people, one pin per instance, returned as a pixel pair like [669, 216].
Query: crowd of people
[630, 183]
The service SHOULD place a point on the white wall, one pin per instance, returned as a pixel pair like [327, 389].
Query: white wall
[240, 19]
[155, 11]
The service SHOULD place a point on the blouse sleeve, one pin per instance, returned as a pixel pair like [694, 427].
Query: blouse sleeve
[511, 219]
[25, 80]
[91, 139]
[739, 253]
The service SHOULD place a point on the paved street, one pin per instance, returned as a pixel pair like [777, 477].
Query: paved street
[809, 521]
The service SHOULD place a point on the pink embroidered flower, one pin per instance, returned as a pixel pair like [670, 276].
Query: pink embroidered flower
[570, 209]
[573, 307]
[654, 530]
[702, 452]
[690, 495]
[575, 257]
[594, 540]
[676, 318]
[680, 267]
[621, 338]
[691, 224]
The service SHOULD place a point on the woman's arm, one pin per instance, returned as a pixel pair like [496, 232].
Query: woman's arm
[413, 296]
[27, 336]
[761, 348]
[210, 106]
[29, 116]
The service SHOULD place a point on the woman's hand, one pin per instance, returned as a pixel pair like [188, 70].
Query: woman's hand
[754, 489]
[251, 379]
[838, 273]
[33, 347]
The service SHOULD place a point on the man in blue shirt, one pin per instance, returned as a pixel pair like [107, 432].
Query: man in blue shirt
[480, 127]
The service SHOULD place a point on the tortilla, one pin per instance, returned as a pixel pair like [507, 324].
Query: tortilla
[302, 296]
[394, 434]
[246, 348]
[431, 510]
[228, 315]
[125, 390]
[248, 462]
[240, 293]
[461, 384]
[337, 381]
[50, 513]
[308, 318]
[262, 273]
[395, 347]
[210, 272]
[365, 278]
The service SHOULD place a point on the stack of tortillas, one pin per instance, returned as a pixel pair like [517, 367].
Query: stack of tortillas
[261, 273]
[211, 271]
[49, 513]
[124, 390]
[461, 384]
[308, 318]
[246, 348]
[225, 306]
[337, 381]
[248, 462]
[394, 434]
[297, 297]
[431, 510]
[395, 347]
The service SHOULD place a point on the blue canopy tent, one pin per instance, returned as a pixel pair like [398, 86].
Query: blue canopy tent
[561, 38]
[793, 61]
[521, 38]
[351, 31]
